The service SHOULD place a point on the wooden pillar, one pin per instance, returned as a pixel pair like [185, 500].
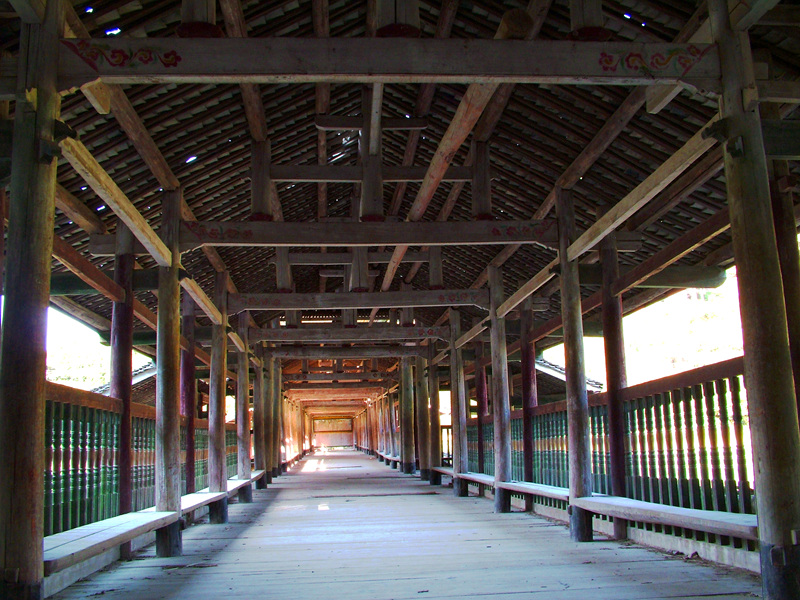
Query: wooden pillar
[217, 471]
[259, 418]
[580, 453]
[482, 399]
[616, 376]
[423, 419]
[269, 416]
[458, 407]
[435, 416]
[392, 422]
[277, 418]
[260, 202]
[168, 360]
[122, 360]
[27, 287]
[501, 402]
[435, 272]
[767, 360]
[243, 469]
[407, 416]
[188, 390]
[530, 393]
[481, 182]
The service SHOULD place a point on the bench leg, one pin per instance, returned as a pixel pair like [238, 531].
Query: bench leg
[21, 591]
[502, 500]
[218, 512]
[436, 478]
[245, 494]
[168, 540]
[460, 487]
[408, 468]
[276, 472]
[261, 483]
[424, 474]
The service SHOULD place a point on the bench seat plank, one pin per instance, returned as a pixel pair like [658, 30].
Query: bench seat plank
[62, 551]
[443, 470]
[477, 478]
[722, 523]
[537, 489]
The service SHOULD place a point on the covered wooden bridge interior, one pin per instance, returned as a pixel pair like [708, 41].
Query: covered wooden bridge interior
[338, 208]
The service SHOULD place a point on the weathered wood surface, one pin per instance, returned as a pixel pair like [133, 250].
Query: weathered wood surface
[346, 334]
[342, 525]
[346, 174]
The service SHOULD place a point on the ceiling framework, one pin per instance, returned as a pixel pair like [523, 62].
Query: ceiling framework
[342, 178]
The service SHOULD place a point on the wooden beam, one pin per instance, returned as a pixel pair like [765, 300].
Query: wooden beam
[644, 192]
[90, 170]
[347, 334]
[250, 234]
[781, 139]
[387, 60]
[676, 277]
[347, 174]
[345, 123]
[334, 301]
[354, 352]
[779, 91]
[346, 258]
[76, 210]
[367, 387]
[70, 284]
[364, 376]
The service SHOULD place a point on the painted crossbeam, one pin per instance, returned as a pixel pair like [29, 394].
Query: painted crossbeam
[333, 301]
[383, 60]
[229, 233]
[345, 123]
[349, 174]
[348, 353]
[336, 377]
[343, 385]
[346, 334]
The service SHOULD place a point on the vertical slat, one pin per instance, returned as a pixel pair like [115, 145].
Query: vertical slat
[49, 466]
[58, 468]
[745, 498]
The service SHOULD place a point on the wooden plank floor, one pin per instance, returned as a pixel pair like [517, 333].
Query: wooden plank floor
[343, 526]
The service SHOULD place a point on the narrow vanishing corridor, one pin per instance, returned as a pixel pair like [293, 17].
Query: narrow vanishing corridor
[341, 525]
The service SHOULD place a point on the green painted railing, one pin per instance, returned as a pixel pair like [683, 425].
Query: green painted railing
[81, 457]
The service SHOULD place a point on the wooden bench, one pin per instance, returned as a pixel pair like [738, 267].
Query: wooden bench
[480, 478]
[710, 521]
[68, 548]
[235, 484]
[535, 489]
[447, 471]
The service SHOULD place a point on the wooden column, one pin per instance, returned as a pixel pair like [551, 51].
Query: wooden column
[393, 432]
[259, 418]
[530, 393]
[501, 402]
[423, 419]
[122, 359]
[407, 416]
[243, 469]
[27, 287]
[580, 456]
[188, 389]
[481, 182]
[277, 418]
[217, 471]
[482, 399]
[616, 376]
[260, 202]
[435, 417]
[269, 416]
[458, 407]
[767, 359]
[168, 360]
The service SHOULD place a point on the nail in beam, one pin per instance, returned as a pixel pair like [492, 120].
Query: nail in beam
[217, 472]
[616, 376]
[407, 416]
[22, 366]
[458, 407]
[259, 418]
[168, 348]
[501, 402]
[121, 362]
[436, 428]
[580, 458]
[423, 420]
[243, 469]
[767, 361]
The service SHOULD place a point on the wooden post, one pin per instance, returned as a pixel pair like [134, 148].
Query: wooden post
[580, 454]
[482, 399]
[269, 417]
[458, 407]
[530, 394]
[407, 416]
[616, 377]
[277, 418]
[481, 182]
[122, 359]
[259, 418]
[217, 471]
[189, 390]
[27, 291]
[501, 402]
[767, 359]
[435, 273]
[435, 417]
[168, 349]
[260, 205]
[423, 419]
[243, 469]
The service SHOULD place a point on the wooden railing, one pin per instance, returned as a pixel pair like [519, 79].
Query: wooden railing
[81, 457]
[686, 443]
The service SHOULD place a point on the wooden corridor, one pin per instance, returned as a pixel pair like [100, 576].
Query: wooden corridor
[341, 525]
